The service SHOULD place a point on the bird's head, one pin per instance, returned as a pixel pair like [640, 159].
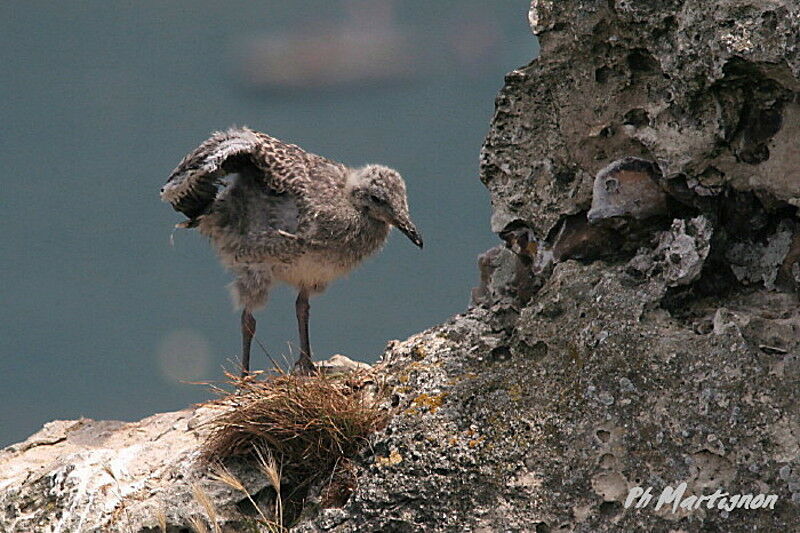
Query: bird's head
[381, 193]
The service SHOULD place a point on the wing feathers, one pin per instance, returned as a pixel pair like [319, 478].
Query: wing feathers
[284, 168]
[192, 186]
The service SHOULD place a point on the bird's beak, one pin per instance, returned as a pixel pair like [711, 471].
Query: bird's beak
[405, 225]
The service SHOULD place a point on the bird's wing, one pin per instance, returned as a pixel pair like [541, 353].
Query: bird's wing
[192, 187]
[287, 168]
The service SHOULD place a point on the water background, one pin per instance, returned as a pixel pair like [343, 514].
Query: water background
[101, 317]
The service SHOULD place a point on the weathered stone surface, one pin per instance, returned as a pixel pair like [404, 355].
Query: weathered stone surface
[339, 363]
[627, 188]
[87, 475]
[671, 361]
[705, 89]
[597, 390]
[679, 253]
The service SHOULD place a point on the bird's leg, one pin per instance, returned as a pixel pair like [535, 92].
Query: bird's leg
[302, 307]
[248, 330]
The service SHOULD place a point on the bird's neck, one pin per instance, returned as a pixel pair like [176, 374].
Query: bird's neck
[370, 232]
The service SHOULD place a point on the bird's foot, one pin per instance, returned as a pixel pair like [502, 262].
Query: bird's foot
[304, 367]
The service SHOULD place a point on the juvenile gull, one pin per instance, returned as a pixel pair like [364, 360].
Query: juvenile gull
[275, 212]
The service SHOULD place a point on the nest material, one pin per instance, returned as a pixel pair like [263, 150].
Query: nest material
[310, 424]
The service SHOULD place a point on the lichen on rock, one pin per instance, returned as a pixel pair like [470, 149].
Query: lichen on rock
[645, 345]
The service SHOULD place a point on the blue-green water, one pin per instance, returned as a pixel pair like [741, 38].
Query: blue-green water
[99, 100]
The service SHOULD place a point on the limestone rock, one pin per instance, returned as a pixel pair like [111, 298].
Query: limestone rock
[679, 254]
[705, 89]
[627, 188]
[86, 475]
[675, 360]
[340, 363]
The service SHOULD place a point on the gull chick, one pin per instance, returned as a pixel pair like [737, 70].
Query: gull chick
[275, 212]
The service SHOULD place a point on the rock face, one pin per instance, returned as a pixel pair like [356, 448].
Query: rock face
[86, 475]
[648, 345]
[639, 327]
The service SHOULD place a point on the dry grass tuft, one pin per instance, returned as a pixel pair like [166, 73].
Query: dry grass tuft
[299, 419]
[342, 484]
[299, 429]
[198, 526]
[211, 512]
[162, 521]
[222, 474]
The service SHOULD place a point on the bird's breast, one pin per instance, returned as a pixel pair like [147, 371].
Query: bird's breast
[330, 260]
[312, 270]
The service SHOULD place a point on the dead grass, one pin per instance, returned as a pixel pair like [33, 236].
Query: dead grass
[298, 430]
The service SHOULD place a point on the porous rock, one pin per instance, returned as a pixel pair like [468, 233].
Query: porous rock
[87, 475]
[674, 362]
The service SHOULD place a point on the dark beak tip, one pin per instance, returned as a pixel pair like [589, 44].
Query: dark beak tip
[411, 232]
